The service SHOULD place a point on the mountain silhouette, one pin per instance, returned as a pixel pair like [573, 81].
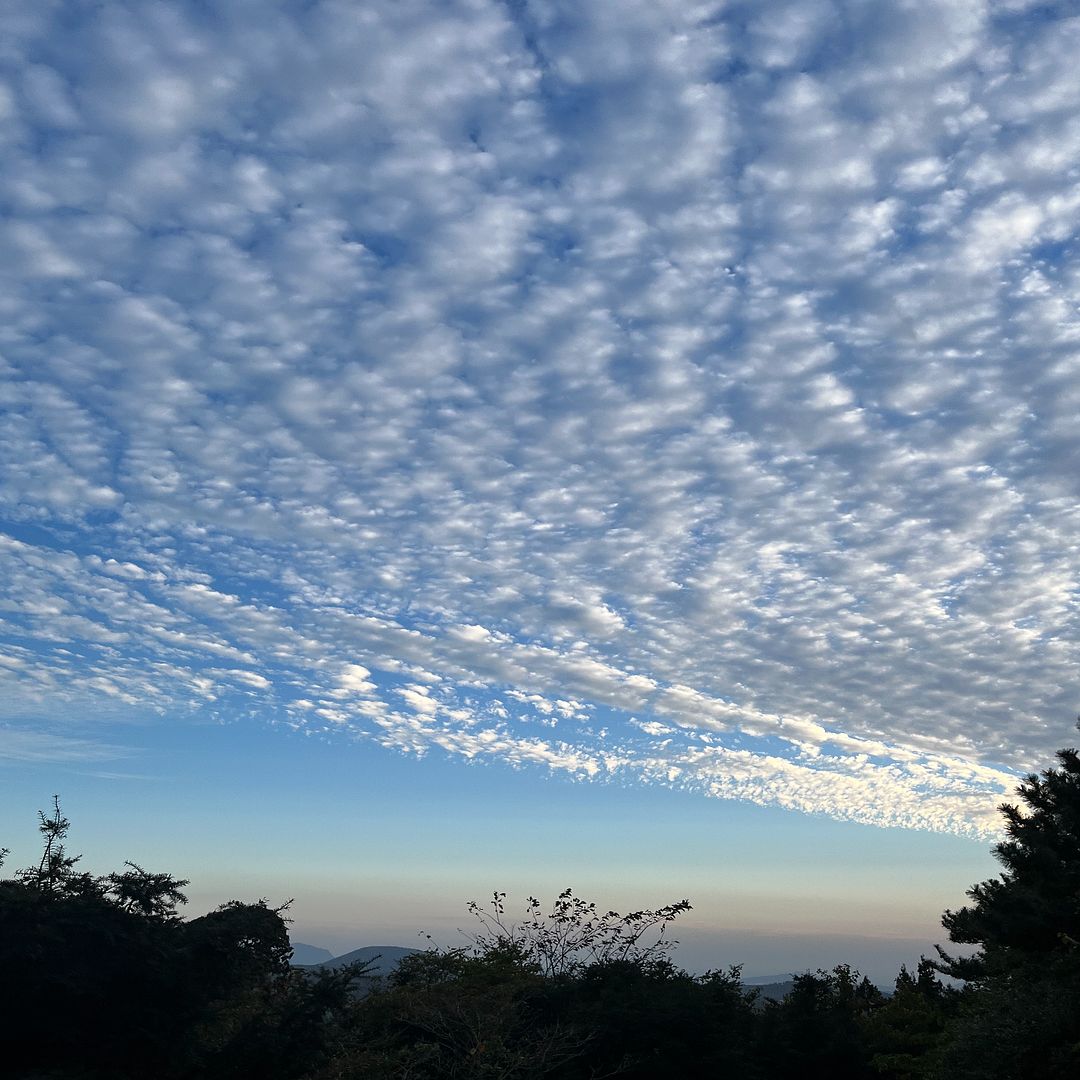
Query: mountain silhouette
[306, 955]
[383, 959]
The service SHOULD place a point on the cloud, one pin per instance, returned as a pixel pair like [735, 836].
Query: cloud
[39, 747]
[434, 372]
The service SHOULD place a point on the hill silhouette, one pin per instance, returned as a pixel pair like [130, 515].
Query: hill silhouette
[306, 955]
[382, 959]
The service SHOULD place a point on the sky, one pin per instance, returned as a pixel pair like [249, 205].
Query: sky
[455, 445]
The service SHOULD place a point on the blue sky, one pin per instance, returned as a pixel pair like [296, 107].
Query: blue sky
[550, 418]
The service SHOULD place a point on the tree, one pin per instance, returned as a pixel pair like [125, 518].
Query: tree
[455, 1012]
[71, 942]
[55, 873]
[102, 980]
[570, 993]
[1021, 1014]
[819, 1027]
[153, 896]
[907, 1032]
[651, 1019]
[574, 933]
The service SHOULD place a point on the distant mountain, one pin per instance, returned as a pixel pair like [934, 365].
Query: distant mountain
[385, 957]
[766, 980]
[771, 991]
[306, 955]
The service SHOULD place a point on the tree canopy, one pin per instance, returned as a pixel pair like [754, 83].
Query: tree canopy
[104, 979]
[1021, 1014]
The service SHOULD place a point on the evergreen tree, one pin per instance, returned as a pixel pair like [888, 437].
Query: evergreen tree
[102, 980]
[819, 1027]
[1021, 1013]
[906, 1035]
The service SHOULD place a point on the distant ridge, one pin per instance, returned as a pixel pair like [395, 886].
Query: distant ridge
[306, 955]
[384, 958]
[770, 991]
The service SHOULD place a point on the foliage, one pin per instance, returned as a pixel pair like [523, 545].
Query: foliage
[453, 1013]
[104, 980]
[574, 934]
[1021, 1015]
[908, 1035]
[1032, 911]
[101, 978]
[647, 1018]
[55, 873]
[820, 1028]
[573, 994]
[153, 896]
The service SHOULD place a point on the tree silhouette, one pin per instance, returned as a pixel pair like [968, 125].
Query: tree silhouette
[55, 872]
[153, 896]
[575, 933]
[819, 1029]
[102, 980]
[907, 1034]
[1021, 1017]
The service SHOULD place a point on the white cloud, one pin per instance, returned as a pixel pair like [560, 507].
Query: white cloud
[432, 370]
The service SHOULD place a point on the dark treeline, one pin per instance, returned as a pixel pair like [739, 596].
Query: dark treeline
[102, 980]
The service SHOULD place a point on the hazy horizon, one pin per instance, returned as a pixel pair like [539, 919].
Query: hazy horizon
[399, 855]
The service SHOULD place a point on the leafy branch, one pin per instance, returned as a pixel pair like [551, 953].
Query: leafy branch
[574, 934]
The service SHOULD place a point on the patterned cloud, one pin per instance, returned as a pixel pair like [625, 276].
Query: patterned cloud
[661, 392]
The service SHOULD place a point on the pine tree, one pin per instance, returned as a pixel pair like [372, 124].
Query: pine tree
[1021, 1015]
[1032, 911]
